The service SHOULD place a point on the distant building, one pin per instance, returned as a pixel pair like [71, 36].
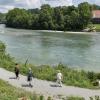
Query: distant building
[96, 16]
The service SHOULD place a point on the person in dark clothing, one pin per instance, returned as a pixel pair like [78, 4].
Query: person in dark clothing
[17, 70]
[29, 77]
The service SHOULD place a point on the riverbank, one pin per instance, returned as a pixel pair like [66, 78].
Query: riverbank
[97, 27]
[54, 31]
[21, 31]
[67, 32]
[41, 87]
[45, 72]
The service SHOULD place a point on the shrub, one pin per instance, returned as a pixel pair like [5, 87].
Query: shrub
[75, 98]
[95, 98]
[91, 76]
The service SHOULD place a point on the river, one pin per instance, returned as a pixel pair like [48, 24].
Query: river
[79, 51]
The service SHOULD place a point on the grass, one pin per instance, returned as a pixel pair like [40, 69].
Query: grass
[75, 98]
[97, 27]
[8, 92]
[71, 77]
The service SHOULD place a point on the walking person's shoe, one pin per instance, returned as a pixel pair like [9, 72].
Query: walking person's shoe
[60, 85]
[30, 85]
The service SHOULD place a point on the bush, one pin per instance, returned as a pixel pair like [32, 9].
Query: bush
[91, 76]
[49, 98]
[75, 98]
[95, 83]
[95, 98]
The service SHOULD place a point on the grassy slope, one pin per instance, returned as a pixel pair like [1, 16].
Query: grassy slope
[8, 92]
[97, 27]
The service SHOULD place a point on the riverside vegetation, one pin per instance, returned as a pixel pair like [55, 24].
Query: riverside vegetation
[45, 72]
[51, 18]
[64, 18]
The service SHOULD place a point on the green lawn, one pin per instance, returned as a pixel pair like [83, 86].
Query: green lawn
[97, 27]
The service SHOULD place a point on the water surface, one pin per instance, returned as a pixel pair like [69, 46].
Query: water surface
[79, 51]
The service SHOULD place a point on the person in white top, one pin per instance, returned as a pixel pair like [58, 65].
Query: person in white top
[59, 78]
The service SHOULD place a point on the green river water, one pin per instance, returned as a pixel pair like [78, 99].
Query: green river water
[80, 51]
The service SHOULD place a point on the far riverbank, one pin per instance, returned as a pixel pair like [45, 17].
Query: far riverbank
[69, 32]
[51, 31]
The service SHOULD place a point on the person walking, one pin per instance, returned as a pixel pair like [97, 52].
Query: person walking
[59, 78]
[29, 77]
[17, 70]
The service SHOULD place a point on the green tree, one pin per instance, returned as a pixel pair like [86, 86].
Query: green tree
[85, 14]
[71, 18]
[2, 18]
[34, 11]
[49, 18]
[58, 18]
[95, 7]
[19, 18]
[45, 17]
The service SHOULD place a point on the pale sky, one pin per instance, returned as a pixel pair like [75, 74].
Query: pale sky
[6, 5]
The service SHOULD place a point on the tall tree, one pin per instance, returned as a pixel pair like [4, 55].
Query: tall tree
[19, 18]
[2, 18]
[95, 7]
[45, 17]
[58, 18]
[49, 18]
[85, 14]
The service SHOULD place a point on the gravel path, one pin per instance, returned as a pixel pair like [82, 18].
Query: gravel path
[46, 88]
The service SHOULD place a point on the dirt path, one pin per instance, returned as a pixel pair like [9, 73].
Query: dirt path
[46, 88]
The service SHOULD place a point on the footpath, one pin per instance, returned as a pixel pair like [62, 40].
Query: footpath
[46, 88]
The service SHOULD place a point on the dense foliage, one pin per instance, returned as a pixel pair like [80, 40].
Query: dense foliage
[48, 18]
[5, 59]
[95, 7]
[75, 98]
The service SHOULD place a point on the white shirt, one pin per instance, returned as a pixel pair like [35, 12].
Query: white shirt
[59, 76]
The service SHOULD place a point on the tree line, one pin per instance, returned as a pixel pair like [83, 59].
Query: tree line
[51, 18]
[95, 7]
